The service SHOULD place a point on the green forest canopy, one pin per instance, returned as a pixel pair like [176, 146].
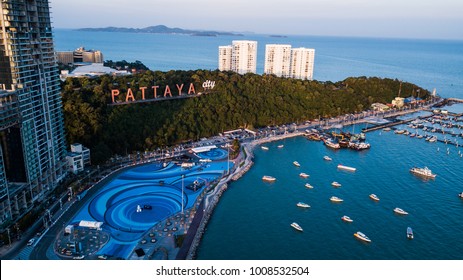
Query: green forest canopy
[250, 101]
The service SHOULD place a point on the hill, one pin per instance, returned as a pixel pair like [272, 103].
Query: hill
[250, 101]
[161, 29]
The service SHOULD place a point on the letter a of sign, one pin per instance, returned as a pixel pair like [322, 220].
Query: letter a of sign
[167, 92]
[191, 90]
[129, 95]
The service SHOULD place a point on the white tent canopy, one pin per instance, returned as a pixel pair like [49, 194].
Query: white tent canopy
[90, 224]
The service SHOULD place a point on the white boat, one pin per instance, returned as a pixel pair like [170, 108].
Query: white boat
[304, 175]
[348, 168]
[296, 163]
[303, 205]
[280, 146]
[460, 195]
[400, 211]
[425, 172]
[309, 186]
[331, 144]
[410, 233]
[399, 131]
[347, 219]
[387, 129]
[296, 226]
[336, 199]
[264, 148]
[327, 158]
[268, 178]
[362, 236]
[336, 184]
[374, 197]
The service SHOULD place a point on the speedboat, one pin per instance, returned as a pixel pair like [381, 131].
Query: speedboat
[296, 226]
[268, 178]
[304, 175]
[400, 211]
[336, 199]
[264, 148]
[374, 197]
[296, 163]
[280, 146]
[336, 184]
[348, 168]
[347, 219]
[424, 172]
[327, 158]
[362, 236]
[303, 205]
[309, 186]
[409, 233]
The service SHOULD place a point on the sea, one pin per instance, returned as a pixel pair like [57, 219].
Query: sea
[252, 220]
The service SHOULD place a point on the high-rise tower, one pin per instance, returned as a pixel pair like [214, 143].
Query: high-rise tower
[32, 150]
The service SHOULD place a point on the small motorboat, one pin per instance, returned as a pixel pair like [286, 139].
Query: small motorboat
[304, 175]
[309, 186]
[303, 205]
[460, 195]
[296, 226]
[280, 146]
[264, 148]
[336, 184]
[409, 233]
[336, 199]
[268, 178]
[400, 211]
[362, 236]
[327, 158]
[296, 163]
[347, 219]
[374, 197]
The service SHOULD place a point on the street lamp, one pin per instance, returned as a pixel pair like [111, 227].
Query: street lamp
[183, 176]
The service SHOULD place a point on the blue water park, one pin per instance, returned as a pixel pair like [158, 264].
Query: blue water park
[152, 200]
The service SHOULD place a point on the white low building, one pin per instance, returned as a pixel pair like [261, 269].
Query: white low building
[78, 158]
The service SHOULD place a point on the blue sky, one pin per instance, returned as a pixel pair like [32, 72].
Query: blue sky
[439, 19]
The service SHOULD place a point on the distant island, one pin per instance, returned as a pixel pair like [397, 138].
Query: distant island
[160, 29]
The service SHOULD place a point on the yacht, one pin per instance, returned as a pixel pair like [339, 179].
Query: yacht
[336, 199]
[348, 168]
[362, 236]
[268, 178]
[409, 233]
[425, 172]
[309, 186]
[347, 219]
[374, 197]
[296, 163]
[296, 226]
[336, 184]
[264, 148]
[303, 205]
[400, 211]
[304, 175]
[327, 158]
[330, 144]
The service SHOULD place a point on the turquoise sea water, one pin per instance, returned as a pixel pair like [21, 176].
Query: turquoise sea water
[252, 220]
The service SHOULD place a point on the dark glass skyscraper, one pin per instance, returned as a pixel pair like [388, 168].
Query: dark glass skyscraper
[33, 150]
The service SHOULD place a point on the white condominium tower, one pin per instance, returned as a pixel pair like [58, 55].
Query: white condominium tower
[302, 61]
[277, 60]
[240, 57]
[225, 58]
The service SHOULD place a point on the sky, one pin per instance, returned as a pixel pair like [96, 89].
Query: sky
[431, 19]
